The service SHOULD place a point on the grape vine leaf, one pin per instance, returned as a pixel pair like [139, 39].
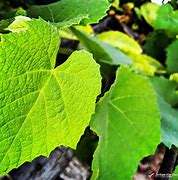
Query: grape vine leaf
[127, 121]
[145, 64]
[167, 99]
[167, 19]
[149, 12]
[66, 13]
[120, 40]
[166, 89]
[172, 57]
[156, 43]
[169, 124]
[42, 107]
[101, 51]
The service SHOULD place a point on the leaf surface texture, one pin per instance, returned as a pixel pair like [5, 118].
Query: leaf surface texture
[42, 107]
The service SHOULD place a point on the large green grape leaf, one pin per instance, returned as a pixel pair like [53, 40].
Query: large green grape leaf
[167, 19]
[42, 107]
[167, 99]
[70, 12]
[127, 121]
[172, 57]
[101, 51]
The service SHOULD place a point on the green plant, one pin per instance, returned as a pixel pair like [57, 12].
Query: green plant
[43, 105]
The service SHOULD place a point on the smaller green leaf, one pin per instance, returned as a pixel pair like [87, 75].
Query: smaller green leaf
[156, 43]
[102, 52]
[120, 40]
[127, 121]
[169, 124]
[167, 19]
[166, 89]
[149, 12]
[172, 57]
[167, 98]
[66, 13]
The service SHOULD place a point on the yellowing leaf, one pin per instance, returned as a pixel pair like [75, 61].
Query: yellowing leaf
[68, 34]
[102, 52]
[146, 64]
[174, 77]
[19, 24]
[149, 12]
[120, 40]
